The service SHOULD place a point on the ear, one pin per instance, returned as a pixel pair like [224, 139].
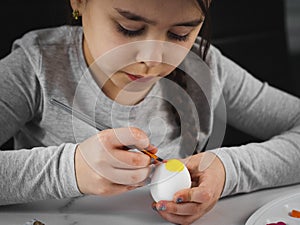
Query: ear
[77, 4]
[73, 4]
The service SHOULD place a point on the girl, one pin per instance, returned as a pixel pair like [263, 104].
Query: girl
[57, 80]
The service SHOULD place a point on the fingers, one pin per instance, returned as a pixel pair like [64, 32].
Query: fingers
[107, 147]
[127, 160]
[199, 162]
[178, 209]
[122, 176]
[103, 187]
[192, 162]
[151, 148]
[126, 136]
[115, 139]
[103, 167]
[183, 213]
[190, 204]
[196, 194]
[90, 182]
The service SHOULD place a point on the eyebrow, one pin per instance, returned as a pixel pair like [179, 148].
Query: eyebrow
[132, 16]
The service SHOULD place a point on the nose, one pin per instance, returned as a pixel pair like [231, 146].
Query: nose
[150, 53]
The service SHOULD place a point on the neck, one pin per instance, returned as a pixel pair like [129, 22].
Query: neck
[128, 98]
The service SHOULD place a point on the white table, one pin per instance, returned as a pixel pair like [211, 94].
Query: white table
[133, 208]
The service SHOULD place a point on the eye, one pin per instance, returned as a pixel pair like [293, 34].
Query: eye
[177, 37]
[129, 33]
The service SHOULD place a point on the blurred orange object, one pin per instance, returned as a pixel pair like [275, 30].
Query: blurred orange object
[295, 214]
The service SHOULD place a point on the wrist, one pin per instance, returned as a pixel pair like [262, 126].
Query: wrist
[79, 167]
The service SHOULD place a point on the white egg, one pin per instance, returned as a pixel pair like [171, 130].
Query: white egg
[168, 178]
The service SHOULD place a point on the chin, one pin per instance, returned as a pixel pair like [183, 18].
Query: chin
[137, 86]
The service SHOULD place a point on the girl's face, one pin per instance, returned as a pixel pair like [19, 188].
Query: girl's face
[108, 24]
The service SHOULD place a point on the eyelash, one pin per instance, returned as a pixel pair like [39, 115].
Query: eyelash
[134, 33]
[129, 33]
[178, 37]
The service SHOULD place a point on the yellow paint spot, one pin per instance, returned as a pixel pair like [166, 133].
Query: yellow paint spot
[174, 165]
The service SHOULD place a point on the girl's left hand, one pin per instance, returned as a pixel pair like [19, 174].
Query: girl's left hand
[188, 205]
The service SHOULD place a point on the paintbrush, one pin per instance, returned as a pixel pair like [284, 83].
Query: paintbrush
[146, 152]
[92, 123]
[153, 156]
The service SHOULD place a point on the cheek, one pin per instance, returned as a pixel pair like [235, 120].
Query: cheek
[99, 42]
[168, 69]
[101, 37]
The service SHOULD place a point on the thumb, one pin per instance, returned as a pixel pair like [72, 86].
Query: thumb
[199, 162]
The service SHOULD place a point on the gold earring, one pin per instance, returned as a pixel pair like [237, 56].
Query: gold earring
[75, 14]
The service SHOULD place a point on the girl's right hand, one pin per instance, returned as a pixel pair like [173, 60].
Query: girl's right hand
[104, 167]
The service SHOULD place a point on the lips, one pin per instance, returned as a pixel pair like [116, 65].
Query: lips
[134, 77]
[139, 78]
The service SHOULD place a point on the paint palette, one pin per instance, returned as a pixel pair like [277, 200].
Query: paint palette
[278, 212]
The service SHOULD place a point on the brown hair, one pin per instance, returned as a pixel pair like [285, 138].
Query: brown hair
[205, 32]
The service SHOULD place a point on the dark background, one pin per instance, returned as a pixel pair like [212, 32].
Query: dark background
[256, 36]
[253, 34]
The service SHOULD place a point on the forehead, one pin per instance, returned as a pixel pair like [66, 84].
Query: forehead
[163, 11]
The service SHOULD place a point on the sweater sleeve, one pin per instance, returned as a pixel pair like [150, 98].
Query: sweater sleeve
[37, 174]
[29, 174]
[268, 114]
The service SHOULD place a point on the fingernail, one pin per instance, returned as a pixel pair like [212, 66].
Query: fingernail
[154, 207]
[147, 181]
[179, 200]
[162, 207]
[152, 161]
[151, 172]
[151, 147]
[132, 187]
